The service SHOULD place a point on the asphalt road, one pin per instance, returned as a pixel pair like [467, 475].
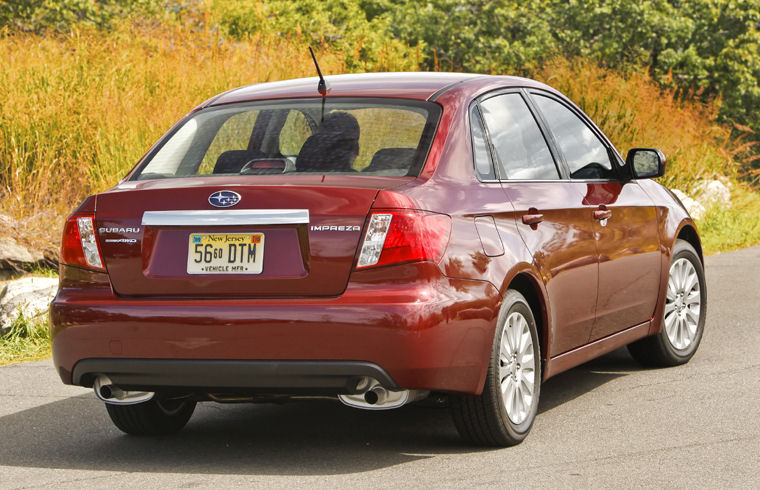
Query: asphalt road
[608, 423]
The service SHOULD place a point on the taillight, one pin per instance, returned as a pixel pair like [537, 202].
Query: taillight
[79, 245]
[396, 236]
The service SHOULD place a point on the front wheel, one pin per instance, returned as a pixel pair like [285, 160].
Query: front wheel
[503, 414]
[684, 317]
[154, 417]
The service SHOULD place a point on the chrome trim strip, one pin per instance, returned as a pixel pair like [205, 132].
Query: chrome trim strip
[228, 217]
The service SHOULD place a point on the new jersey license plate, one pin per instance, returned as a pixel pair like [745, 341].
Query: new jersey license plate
[230, 253]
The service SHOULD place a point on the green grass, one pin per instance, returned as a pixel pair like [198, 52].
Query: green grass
[27, 340]
[736, 226]
[43, 271]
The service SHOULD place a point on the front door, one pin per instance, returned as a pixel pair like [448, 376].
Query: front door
[629, 255]
[623, 216]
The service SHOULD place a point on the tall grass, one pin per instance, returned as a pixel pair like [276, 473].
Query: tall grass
[633, 112]
[79, 110]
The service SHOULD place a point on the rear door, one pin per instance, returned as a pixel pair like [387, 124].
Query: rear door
[624, 219]
[550, 216]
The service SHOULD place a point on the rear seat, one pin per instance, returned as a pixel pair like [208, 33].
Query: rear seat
[392, 161]
[230, 162]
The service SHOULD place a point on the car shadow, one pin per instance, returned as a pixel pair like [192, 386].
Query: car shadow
[309, 437]
[565, 387]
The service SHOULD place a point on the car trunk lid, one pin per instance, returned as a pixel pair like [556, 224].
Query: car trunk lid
[305, 239]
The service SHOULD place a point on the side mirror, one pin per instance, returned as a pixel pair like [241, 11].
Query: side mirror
[646, 163]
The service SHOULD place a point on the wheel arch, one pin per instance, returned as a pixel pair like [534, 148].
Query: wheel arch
[530, 287]
[689, 234]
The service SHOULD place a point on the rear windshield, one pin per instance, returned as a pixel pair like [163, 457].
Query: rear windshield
[368, 136]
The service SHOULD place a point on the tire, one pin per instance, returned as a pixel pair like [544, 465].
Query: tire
[493, 418]
[154, 417]
[684, 315]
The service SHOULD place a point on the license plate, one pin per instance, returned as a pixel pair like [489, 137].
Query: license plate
[231, 253]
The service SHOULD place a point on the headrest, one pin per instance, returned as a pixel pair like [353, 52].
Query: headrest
[333, 147]
[398, 159]
[340, 124]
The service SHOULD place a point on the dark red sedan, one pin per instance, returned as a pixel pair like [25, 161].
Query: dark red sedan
[379, 239]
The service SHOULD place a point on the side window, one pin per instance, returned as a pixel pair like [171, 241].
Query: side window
[234, 134]
[480, 153]
[520, 147]
[586, 156]
[294, 133]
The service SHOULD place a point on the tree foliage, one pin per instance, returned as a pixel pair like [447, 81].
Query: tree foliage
[709, 48]
[366, 44]
[61, 15]
[704, 48]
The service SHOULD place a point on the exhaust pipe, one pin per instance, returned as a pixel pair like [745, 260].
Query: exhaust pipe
[374, 396]
[110, 393]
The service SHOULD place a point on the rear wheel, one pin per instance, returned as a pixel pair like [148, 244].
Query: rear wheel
[503, 414]
[684, 316]
[153, 417]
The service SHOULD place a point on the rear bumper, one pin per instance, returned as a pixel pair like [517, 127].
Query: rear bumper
[319, 377]
[434, 334]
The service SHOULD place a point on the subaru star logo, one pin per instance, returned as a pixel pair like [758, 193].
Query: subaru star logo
[224, 199]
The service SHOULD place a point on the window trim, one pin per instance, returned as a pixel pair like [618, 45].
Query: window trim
[474, 106]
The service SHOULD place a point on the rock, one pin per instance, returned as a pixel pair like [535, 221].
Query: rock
[13, 254]
[28, 296]
[695, 208]
[6, 221]
[712, 192]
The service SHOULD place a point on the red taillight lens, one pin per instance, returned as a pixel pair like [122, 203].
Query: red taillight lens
[396, 236]
[79, 245]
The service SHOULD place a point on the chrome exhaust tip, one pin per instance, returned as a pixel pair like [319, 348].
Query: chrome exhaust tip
[376, 395]
[373, 396]
[108, 392]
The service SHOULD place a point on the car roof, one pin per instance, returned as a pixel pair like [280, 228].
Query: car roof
[407, 85]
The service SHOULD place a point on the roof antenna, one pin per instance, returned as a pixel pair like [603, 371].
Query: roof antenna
[322, 87]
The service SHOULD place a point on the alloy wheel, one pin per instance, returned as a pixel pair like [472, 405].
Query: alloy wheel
[682, 304]
[517, 368]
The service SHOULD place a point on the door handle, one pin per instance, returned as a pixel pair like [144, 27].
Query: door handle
[532, 219]
[601, 214]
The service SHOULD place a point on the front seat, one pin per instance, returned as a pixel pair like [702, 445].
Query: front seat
[333, 147]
